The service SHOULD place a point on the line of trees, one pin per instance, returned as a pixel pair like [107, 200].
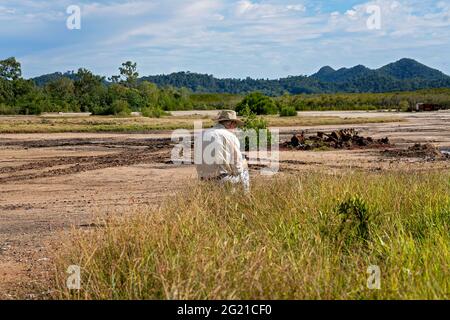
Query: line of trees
[288, 105]
[401, 101]
[84, 91]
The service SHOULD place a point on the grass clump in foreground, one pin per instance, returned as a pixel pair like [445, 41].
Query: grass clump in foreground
[311, 236]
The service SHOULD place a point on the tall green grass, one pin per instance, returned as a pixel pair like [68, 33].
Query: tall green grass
[309, 236]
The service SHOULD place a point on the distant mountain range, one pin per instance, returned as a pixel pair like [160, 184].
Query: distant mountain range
[403, 75]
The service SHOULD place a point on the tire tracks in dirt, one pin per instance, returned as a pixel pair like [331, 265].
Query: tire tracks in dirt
[132, 152]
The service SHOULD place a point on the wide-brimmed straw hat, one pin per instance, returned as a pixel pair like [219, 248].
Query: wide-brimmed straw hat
[229, 115]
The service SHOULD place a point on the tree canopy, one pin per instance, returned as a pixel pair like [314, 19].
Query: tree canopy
[83, 91]
[10, 69]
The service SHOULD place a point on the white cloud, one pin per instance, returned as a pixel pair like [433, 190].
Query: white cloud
[351, 13]
[200, 8]
[5, 10]
[398, 19]
[118, 9]
[246, 8]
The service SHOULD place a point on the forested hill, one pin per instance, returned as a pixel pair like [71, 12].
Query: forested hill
[47, 78]
[403, 75]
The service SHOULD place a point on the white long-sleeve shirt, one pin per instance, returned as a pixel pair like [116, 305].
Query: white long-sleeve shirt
[218, 153]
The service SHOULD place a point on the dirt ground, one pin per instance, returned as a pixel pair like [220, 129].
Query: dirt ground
[50, 183]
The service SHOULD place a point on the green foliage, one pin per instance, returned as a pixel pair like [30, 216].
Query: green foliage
[120, 108]
[61, 90]
[6, 91]
[22, 87]
[128, 75]
[36, 102]
[355, 219]
[258, 104]
[288, 111]
[365, 101]
[154, 112]
[10, 69]
[8, 110]
[403, 105]
[214, 101]
[150, 93]
[251, 121]
[256, 124]
[87, 92]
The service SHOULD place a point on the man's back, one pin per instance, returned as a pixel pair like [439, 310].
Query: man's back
[220, 154]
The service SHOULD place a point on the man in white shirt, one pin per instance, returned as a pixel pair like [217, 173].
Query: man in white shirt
[221, 158]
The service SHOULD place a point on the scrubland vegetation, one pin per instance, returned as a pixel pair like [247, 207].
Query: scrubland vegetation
[399, 101]
[83, 91]
[32, 124]
[308, 236]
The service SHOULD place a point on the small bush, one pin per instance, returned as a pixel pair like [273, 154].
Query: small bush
[8, 110]
[120, 108]
[288, 112]
[154, 112]
[258, 104]
[355, 216]
[403, 106]
[253, 122]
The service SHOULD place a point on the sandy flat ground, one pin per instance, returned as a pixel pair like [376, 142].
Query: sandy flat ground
[50, 183]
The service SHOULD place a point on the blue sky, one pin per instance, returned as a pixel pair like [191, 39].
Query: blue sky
[227, 38]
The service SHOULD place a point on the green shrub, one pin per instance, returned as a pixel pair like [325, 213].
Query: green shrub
[258, 104]
[120, 108]
[355, 219]
[253, 122]
[288, 111]
[8, 110]
[154, 112]
[403, 105]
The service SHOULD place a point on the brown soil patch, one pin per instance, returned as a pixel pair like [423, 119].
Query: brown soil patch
[425, 151]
